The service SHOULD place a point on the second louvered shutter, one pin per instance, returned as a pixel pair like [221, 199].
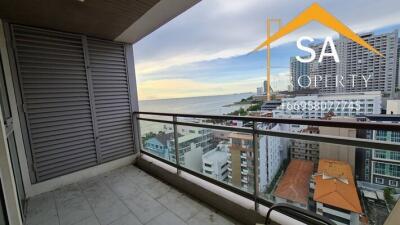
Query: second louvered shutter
[111, 98]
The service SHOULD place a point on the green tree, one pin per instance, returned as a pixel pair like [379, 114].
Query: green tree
[388, 194]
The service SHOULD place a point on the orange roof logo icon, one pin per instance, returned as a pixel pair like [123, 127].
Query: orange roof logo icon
[316, 13]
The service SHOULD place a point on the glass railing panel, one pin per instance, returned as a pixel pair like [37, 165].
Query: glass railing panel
[293, 162]
[226, 156]
[157, 138]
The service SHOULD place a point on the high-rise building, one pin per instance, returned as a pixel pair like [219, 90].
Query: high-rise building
[299, 73]
[260, 91]
[272, 153]
[241, 160]
[345, 153]
[357, 64]
[379, 166]
[265, 87]
[305, 150]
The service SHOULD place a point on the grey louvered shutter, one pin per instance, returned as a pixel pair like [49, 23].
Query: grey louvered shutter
[56, 98]
[111, 94]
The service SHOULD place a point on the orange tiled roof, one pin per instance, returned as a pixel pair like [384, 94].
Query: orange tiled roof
[295, 183]
[334, 185]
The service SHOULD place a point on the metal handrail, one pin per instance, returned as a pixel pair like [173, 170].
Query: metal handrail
[300, 214]
[357, 142]
[312, 122]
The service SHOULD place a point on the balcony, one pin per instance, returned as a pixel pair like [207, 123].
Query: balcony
[74, 138]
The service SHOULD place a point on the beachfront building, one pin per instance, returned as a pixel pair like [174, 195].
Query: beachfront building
[215, 162]
[294, 186]
[341, 104]
[336, 194]
[356, 64]
[299, 73]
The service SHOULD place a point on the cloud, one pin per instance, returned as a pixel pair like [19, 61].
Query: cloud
[215, 29]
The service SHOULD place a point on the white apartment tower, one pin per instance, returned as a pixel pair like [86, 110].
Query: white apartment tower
[298, 71]
[357, 64]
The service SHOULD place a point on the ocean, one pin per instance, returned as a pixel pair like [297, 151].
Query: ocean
[212, 105]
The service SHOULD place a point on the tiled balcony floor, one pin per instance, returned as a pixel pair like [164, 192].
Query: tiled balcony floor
[126, 196]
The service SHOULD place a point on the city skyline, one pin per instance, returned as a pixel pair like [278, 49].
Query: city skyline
[224, 67]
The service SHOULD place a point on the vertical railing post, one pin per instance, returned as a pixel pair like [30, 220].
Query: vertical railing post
[255, 166]
[174, 120]
[136, 132]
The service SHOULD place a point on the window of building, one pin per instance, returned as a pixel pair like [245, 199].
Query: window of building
[387, 169]
[207, 165]
[236, 141]
[379, 180]
[393, 183]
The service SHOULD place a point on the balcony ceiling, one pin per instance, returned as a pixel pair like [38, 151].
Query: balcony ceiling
[120, 20]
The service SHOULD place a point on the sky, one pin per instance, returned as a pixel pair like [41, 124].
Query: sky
[207, 49]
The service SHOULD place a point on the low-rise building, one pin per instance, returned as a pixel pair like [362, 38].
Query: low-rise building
[293, 187]
[158, 145]
[190, 150]
[335, 192]
[215, 162]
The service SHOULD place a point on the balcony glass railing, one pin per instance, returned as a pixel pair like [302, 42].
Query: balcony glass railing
[338, 169]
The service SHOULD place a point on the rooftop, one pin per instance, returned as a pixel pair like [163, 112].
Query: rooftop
[334, 185]
[294, 184]
[217, 154]
[163, 138]
[241, 136]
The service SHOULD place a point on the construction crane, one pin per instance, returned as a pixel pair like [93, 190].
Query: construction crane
[269, 21]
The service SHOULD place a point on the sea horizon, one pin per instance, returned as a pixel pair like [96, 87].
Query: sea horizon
[212, 104]
[200, 96]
